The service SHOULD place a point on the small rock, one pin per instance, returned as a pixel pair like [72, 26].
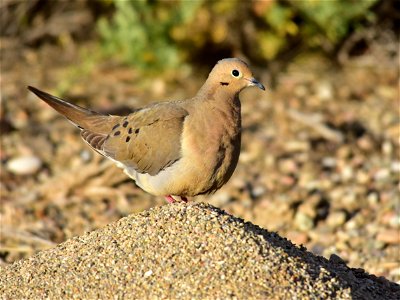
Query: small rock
[325, 91]
[288, 166]
[389, 236]
[258, 191]
[365, 143]
[148, 273]
[351, 225]
[24, 165]
[303, 222]
[382, 175]
[86, 155]
[373, 198]
[347, 173]
[329, 162]
[349, 199]
[287, 180]
[294, 146]
[362, 177]
[336, 219]
[387, 148]
[395, 166]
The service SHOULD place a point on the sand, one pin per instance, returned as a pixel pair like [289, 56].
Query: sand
[183, 251]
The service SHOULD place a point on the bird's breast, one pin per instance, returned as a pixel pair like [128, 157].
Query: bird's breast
[211, 145]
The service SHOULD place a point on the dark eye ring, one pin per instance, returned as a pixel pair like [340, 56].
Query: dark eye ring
[235, 73]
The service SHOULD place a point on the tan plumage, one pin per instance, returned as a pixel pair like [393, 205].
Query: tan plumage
[180, 148]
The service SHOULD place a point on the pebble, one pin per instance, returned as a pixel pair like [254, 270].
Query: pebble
[347, 173]
[24, 165]
[387, 148]
[382, 175]
[258, 191]
[349, 198]
[303, 222]
[148, 273]
[288, 166]
[362, 177]
[389, 236]
[373, 198]
[329, 162]
[395, 166]
[325, 91]
[336, 219]
[292, 146]
[86, 155]
[365, 143]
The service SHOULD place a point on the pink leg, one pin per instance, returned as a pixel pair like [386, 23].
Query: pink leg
[170, 199]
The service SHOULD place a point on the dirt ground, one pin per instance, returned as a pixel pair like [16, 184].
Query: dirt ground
[319, 163]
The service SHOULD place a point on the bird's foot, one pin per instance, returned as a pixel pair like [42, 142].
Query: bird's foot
[170, 199]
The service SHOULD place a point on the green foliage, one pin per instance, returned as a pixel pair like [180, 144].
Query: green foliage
[140, 32]
[279, 18]
[333, 19]
[158, 35]
[318, 23]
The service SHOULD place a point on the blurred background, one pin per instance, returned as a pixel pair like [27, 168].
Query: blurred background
[320, 155]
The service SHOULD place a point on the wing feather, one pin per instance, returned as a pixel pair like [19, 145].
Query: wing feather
[148, 140]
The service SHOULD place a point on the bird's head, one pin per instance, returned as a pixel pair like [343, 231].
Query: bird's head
[233, 75]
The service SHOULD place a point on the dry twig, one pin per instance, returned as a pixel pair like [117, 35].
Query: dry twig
[314, 122]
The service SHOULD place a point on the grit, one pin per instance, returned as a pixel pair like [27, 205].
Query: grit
[186, 251]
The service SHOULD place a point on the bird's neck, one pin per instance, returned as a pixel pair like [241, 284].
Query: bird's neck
[220, 104]
[218, 95]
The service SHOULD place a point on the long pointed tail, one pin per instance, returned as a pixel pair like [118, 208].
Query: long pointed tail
[81, 117]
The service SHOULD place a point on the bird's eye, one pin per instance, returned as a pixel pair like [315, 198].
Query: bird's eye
[235, 73]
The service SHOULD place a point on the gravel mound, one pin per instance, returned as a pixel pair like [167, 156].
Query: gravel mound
[186, 251]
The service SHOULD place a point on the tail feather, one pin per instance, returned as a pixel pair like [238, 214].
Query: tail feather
[79, 116]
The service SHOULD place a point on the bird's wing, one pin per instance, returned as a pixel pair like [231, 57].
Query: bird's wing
[148, 140]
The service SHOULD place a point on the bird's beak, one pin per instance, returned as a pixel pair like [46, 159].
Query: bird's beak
[254, 82]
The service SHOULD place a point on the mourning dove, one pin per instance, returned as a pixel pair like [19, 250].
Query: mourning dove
[176, 149]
